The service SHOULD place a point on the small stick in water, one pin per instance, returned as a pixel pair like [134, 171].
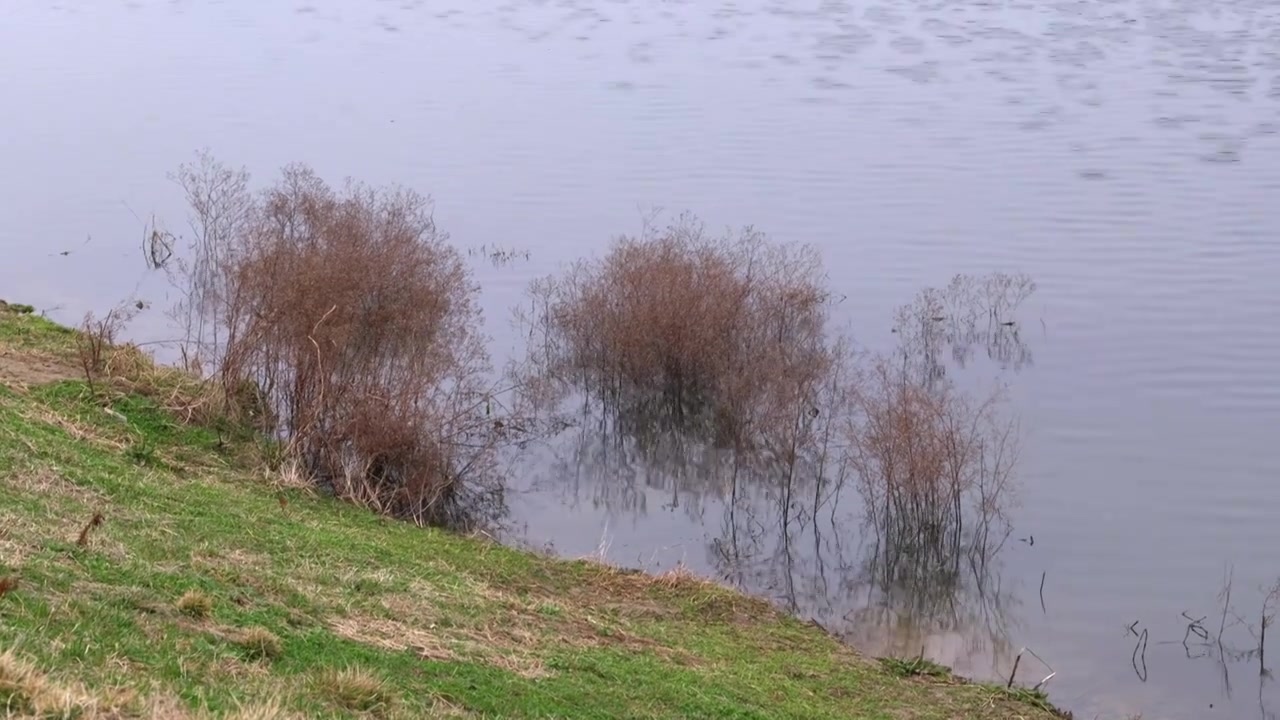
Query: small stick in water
[1013, 674]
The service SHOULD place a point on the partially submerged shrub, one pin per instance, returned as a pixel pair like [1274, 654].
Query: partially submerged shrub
[934, 468]
[722, 336]
[971, 311]
[351, 324]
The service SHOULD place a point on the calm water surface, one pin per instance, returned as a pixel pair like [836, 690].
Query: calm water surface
[1125, 153]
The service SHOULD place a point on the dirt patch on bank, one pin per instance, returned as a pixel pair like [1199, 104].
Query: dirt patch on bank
[20, 369]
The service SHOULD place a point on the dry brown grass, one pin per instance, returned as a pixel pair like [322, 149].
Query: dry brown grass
[25, 691]
[722, 336]
[513, 631]
[97, 337]
[392, 635]
[510, 646]
[259, 643]
[356, 690]
[80, 431]
[45, 482]
[195, 604]
[67, 510]
[23, 535]
[270, 710]
[168, 707]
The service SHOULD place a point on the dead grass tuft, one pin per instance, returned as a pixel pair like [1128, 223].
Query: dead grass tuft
[392, 635]
[509, 646]
[27, 691]
[45, 482]
[268, 710]
[259, 643]
[97, 338]
[293, 475]
[169, 707]
[356, 690]
[79, 431]
[195, 604]
[681, 575]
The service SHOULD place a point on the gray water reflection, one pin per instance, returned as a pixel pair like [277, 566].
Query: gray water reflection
[800, 546]
[1123, 153]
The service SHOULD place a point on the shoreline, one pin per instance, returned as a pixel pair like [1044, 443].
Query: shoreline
[158, 570]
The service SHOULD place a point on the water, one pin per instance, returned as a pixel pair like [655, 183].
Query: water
[1125, 153]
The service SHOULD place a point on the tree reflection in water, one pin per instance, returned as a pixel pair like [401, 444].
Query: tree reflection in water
[799, 538]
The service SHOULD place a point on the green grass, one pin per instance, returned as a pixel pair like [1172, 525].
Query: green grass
[201, 593]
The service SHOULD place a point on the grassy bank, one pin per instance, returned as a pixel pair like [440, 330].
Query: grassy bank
[150, 569]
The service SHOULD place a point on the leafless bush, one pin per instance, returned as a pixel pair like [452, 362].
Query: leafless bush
[970, 311]
[931, 464]
[720, 338]
[350, 317]
[97, 338]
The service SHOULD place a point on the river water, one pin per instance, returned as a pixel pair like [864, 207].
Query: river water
[1124, 153]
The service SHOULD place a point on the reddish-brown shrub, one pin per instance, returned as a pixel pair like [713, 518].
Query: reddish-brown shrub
[934, 468]
[678, 329]
[353, 318]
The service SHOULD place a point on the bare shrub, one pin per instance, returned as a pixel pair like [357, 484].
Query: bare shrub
[934, 467]
[971, 311]
[97, 338]
[719, 337]
[222, 206]
[935, 464]
[348, 319]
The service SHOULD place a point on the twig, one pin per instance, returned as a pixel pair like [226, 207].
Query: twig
[94, 522]
[1141, 645]
[1042, 576]
[1194, 626]
[1262, 642]
[1226, 604]
[1033, 654]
